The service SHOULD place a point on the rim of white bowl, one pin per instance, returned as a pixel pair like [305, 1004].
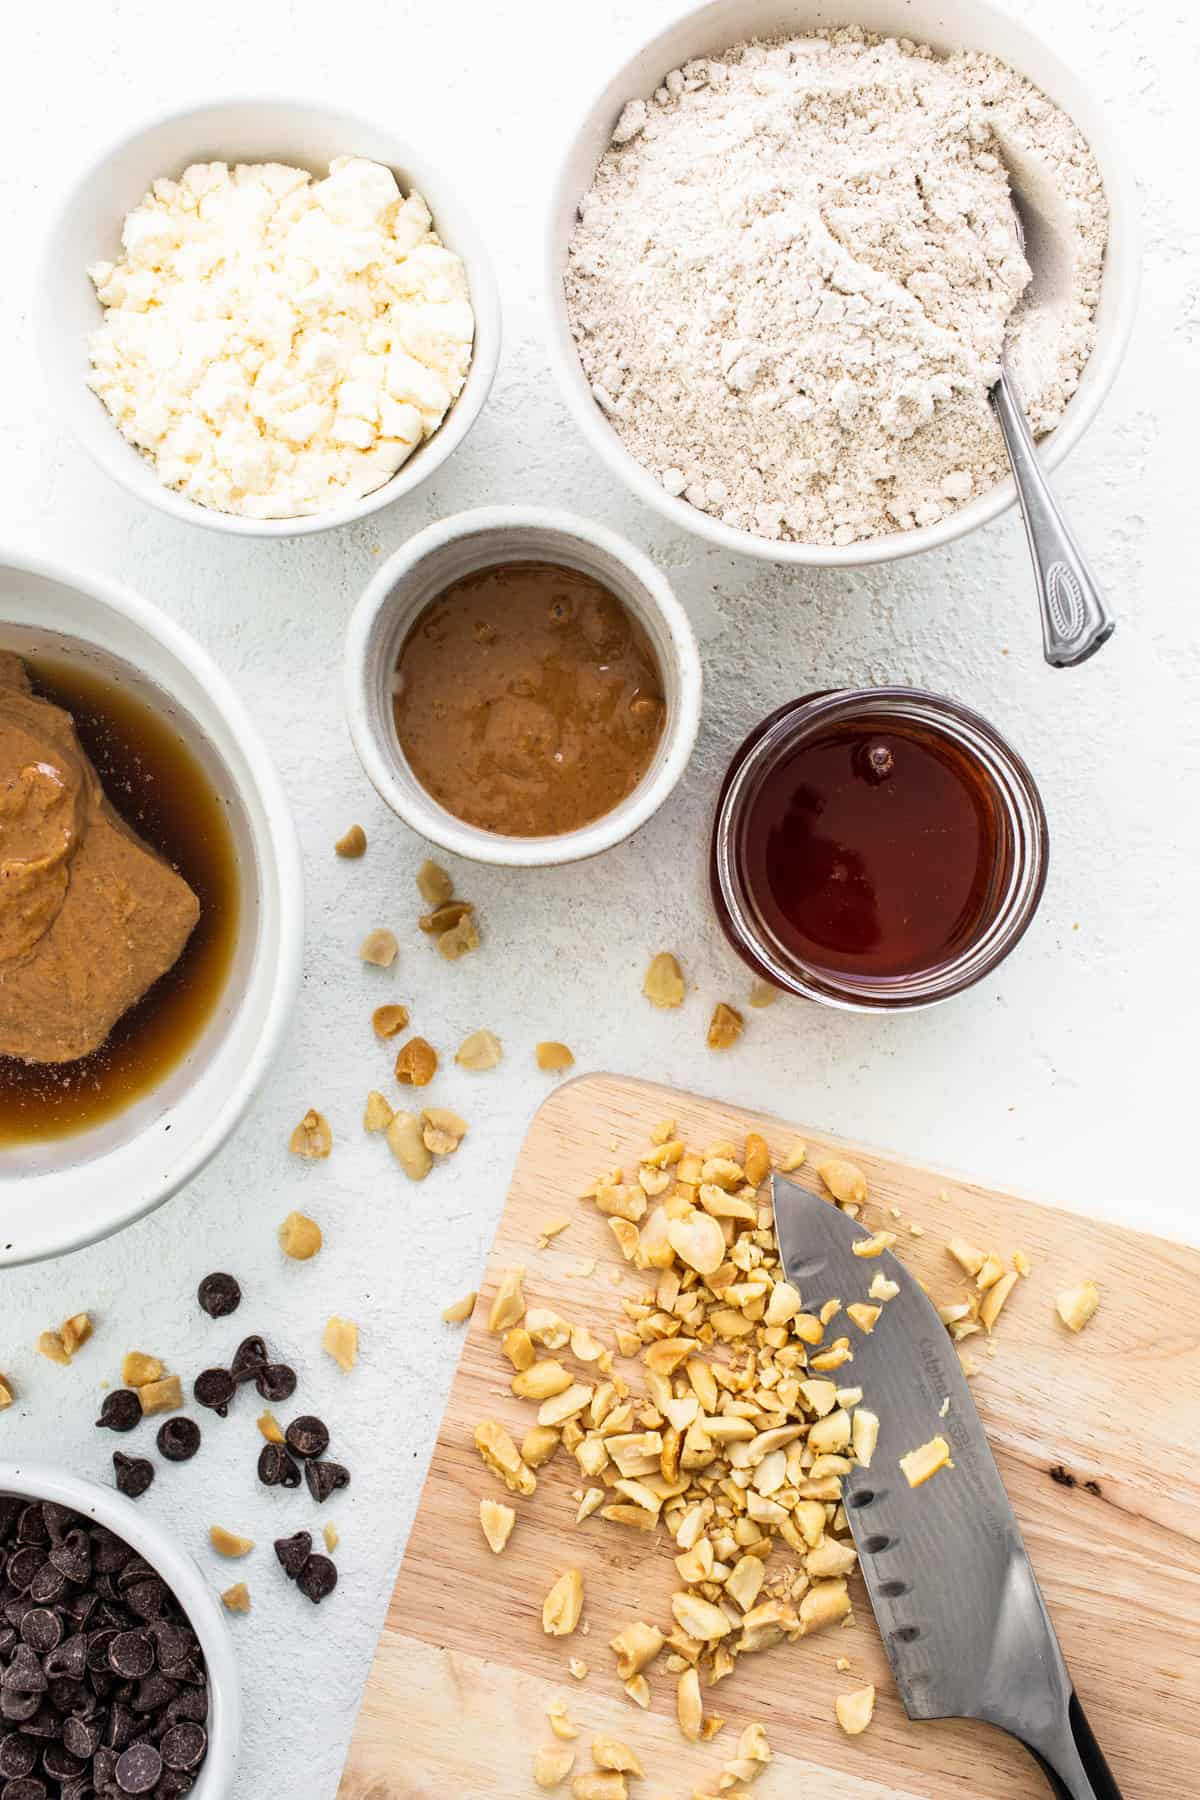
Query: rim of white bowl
[285, 846]
[429, 456]
[154, 1541]
[1098, 375]
[432, 821]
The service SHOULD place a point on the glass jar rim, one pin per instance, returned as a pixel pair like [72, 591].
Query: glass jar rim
[1010, 781]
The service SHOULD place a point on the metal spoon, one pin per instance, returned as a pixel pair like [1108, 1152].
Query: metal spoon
[1075, 620]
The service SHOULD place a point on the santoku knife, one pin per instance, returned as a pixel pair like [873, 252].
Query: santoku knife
[955, 1597]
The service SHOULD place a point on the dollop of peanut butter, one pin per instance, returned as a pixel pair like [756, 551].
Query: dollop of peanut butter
[90, 916]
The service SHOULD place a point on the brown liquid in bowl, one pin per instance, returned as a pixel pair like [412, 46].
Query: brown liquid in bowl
[528, 699]
[161, 791]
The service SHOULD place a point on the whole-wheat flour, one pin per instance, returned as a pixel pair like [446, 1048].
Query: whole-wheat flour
[791, 278]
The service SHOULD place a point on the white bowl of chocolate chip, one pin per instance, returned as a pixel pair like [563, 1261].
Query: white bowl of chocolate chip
[780, 335]
[117, 1670]
[148, 967]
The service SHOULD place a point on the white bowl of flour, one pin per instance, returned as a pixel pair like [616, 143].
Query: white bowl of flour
[779, 275]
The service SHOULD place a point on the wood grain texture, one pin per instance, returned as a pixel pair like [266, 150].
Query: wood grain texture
[1097, 1438]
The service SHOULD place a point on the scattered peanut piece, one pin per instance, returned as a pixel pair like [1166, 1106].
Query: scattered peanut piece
[563, 1605]
[577, 1668]
[553, 1057]
[458, 1310]
[479, 1051]
[762, 994]
[689, 1707]
[496, 1521]
[300, 1237]
[883, 1287]
[352, 843]
[920, 1464]
[379, 947]
[600, 1784]
[332, 1536]
[75, 1331]
[434, 884]
[855, 1711]
[51, 1346]
[416, 1065]
[561, 1723]
[753, 1755]
[389, 1021]
[340, 1340]
[378, 1114]
[874, 1246]
[793, 1158]
[968, 1258]
[312, 1138]
[1021, 1263]
[1076, 1306]
[551, 1229]
[406, 1141]
[993, 1300]
[637, 1688]
[444, 917]
[228, 1543]
[500, 1455]
[611, 1753]
[270, 1427]
[663, 984]
[552, 1765]
[161, 1396]
[138, 1369]
[845, 1181]
[442, 1131]
[6, 1392]
[508, 1308]
[725, 1027]
[237, 1598]
[460, 939]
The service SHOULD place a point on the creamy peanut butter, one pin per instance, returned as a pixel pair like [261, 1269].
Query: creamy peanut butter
[90, 916]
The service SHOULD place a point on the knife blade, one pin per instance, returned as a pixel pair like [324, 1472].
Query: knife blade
[954, 1594]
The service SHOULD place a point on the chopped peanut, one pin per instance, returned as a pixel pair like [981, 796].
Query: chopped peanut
[352, 843]
[379, 947]
[1076, 1306]
[389, 1021]
[664, 984]
[340, 1339]
[236, 1598]
[312, 1139]
[479, 1051]
[920, 1464]
[459, 1310]
[552, 1765]
[497, 1521]
[228, 1543]
[161, 1396]
[844, 1179]
[563, 1605]
[553, 1057]
[300, 1237]
[854, 1711]
[725, 1027]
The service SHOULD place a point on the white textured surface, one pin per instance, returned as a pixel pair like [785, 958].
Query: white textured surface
[1068, 1075]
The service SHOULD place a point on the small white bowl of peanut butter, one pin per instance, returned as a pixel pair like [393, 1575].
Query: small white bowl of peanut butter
[150, 958]
[522, 686]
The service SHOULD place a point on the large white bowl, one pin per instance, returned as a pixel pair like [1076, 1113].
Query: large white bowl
[88, 230]
[946, 25]
[37, 1481]
[63, 1193]
[457, 547]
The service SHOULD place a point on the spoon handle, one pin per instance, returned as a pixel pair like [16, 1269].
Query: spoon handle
[1075, 620]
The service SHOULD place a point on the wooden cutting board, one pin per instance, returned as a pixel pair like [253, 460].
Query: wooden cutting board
[1097, 1438]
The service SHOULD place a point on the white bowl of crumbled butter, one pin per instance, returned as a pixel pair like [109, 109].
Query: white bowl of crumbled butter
[267, 317]
[694, 286]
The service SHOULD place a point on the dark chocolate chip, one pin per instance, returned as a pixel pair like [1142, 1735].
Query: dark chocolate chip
[24, 1674]
[28, 1788]
[59, 1519]
[45, 1722]
[219, 1295]
[42, 1630]
[59, 1764]
[135, 1570]
[139, 1768]
[66, 1695]
[81, 1737]
[276, 1382]
[153, 1692]
[122, 1727]
[131, 1654]
[249, 1357]
[294, 1552]
[174, 1644]
[276, 1468]
[109, 1552]
[178, 1439]
[18, 1708]
[184, 1746]
[18, 1756]
[134, 1474]
[307, 1436]
[121, 1411]
[23, 1565]
[325, 1478]
[97, 1648]
[48, 1585]
[31, 1526]
[73, 1557]
[214, 1388]
[149, 1599]
[317, 1579]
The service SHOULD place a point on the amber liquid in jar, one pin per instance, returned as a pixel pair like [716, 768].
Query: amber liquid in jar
[872, 852]
[162, 792]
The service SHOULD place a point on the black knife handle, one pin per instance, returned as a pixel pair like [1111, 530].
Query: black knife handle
[1084, 1775]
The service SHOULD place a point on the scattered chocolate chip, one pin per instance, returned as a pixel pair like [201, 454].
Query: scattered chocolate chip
[134, 1474]
[59, 1764]
[18, 1756]
[48, 1585]
[32, 1527]
[68, 1660]
[276, 1468]
[184, 1746]
[178, 1439]
[42, 1630]
[17, 1708]
[23, 1565]
[215, 1388]
[294, 1552]
[249, 1357]
[139, 1768]
[28, 1789]
[81, 1737]
[131, 1654]
[317, 1579]
[24, 1674]
[276, 1382]
[121, 1410]
[219, 1295]
[307, 1436]
[72, 1557]
[149, 1599]
[325, 1478]
[58, 1519]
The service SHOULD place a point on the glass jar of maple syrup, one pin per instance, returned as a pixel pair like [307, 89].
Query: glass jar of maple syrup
[877, 849]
